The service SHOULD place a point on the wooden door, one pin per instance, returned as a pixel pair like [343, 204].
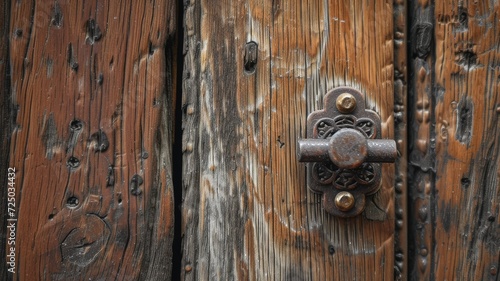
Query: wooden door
[119, 116]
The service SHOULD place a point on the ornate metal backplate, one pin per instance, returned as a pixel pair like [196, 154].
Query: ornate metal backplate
[328, 179]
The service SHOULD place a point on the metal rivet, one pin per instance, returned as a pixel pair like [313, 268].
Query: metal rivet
[188, 147]
[344, 201]
[346, 103]
[423, 252]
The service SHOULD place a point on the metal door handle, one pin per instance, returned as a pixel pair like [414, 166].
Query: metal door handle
[347, 149]
[343, 147]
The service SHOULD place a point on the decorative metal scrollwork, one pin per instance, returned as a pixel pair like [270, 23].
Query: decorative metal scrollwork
[343, 142]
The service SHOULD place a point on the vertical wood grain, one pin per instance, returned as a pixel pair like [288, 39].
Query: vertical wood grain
[92, 140]
[456, 140]
[247, 213]
[467, 93]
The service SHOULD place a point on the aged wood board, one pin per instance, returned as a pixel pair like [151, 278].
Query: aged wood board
[253, 70]
[91, 84]
[454, 140]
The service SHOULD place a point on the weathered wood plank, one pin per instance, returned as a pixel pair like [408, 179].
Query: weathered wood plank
[247, 213]
[422, 138]
[92, 142]
[467, 93]
[457, 92]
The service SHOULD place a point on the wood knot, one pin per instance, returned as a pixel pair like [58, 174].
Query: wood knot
[83, 244]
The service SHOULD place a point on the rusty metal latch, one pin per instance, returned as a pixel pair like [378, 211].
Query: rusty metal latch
[344, 148]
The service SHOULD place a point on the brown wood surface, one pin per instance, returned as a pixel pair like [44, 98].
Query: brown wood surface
[455, 140]
[92, 83]
[247, 213]
[88, 95]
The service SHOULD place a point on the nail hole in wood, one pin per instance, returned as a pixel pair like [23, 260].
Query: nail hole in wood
[251, 51]
[331, 250]
[76, 125]
[73, 162]
[72, 202]
[465, 182]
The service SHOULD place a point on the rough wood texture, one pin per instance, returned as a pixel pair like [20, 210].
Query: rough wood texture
[455, 140]
[421, 156]
[92, 82]
[253, 71]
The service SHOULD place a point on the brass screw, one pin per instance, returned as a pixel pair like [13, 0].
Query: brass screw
[346, 103]
[344, 201]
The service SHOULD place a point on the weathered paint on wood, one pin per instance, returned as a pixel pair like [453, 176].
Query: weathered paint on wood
[455, 140]
[247, 213]
[92, 84]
